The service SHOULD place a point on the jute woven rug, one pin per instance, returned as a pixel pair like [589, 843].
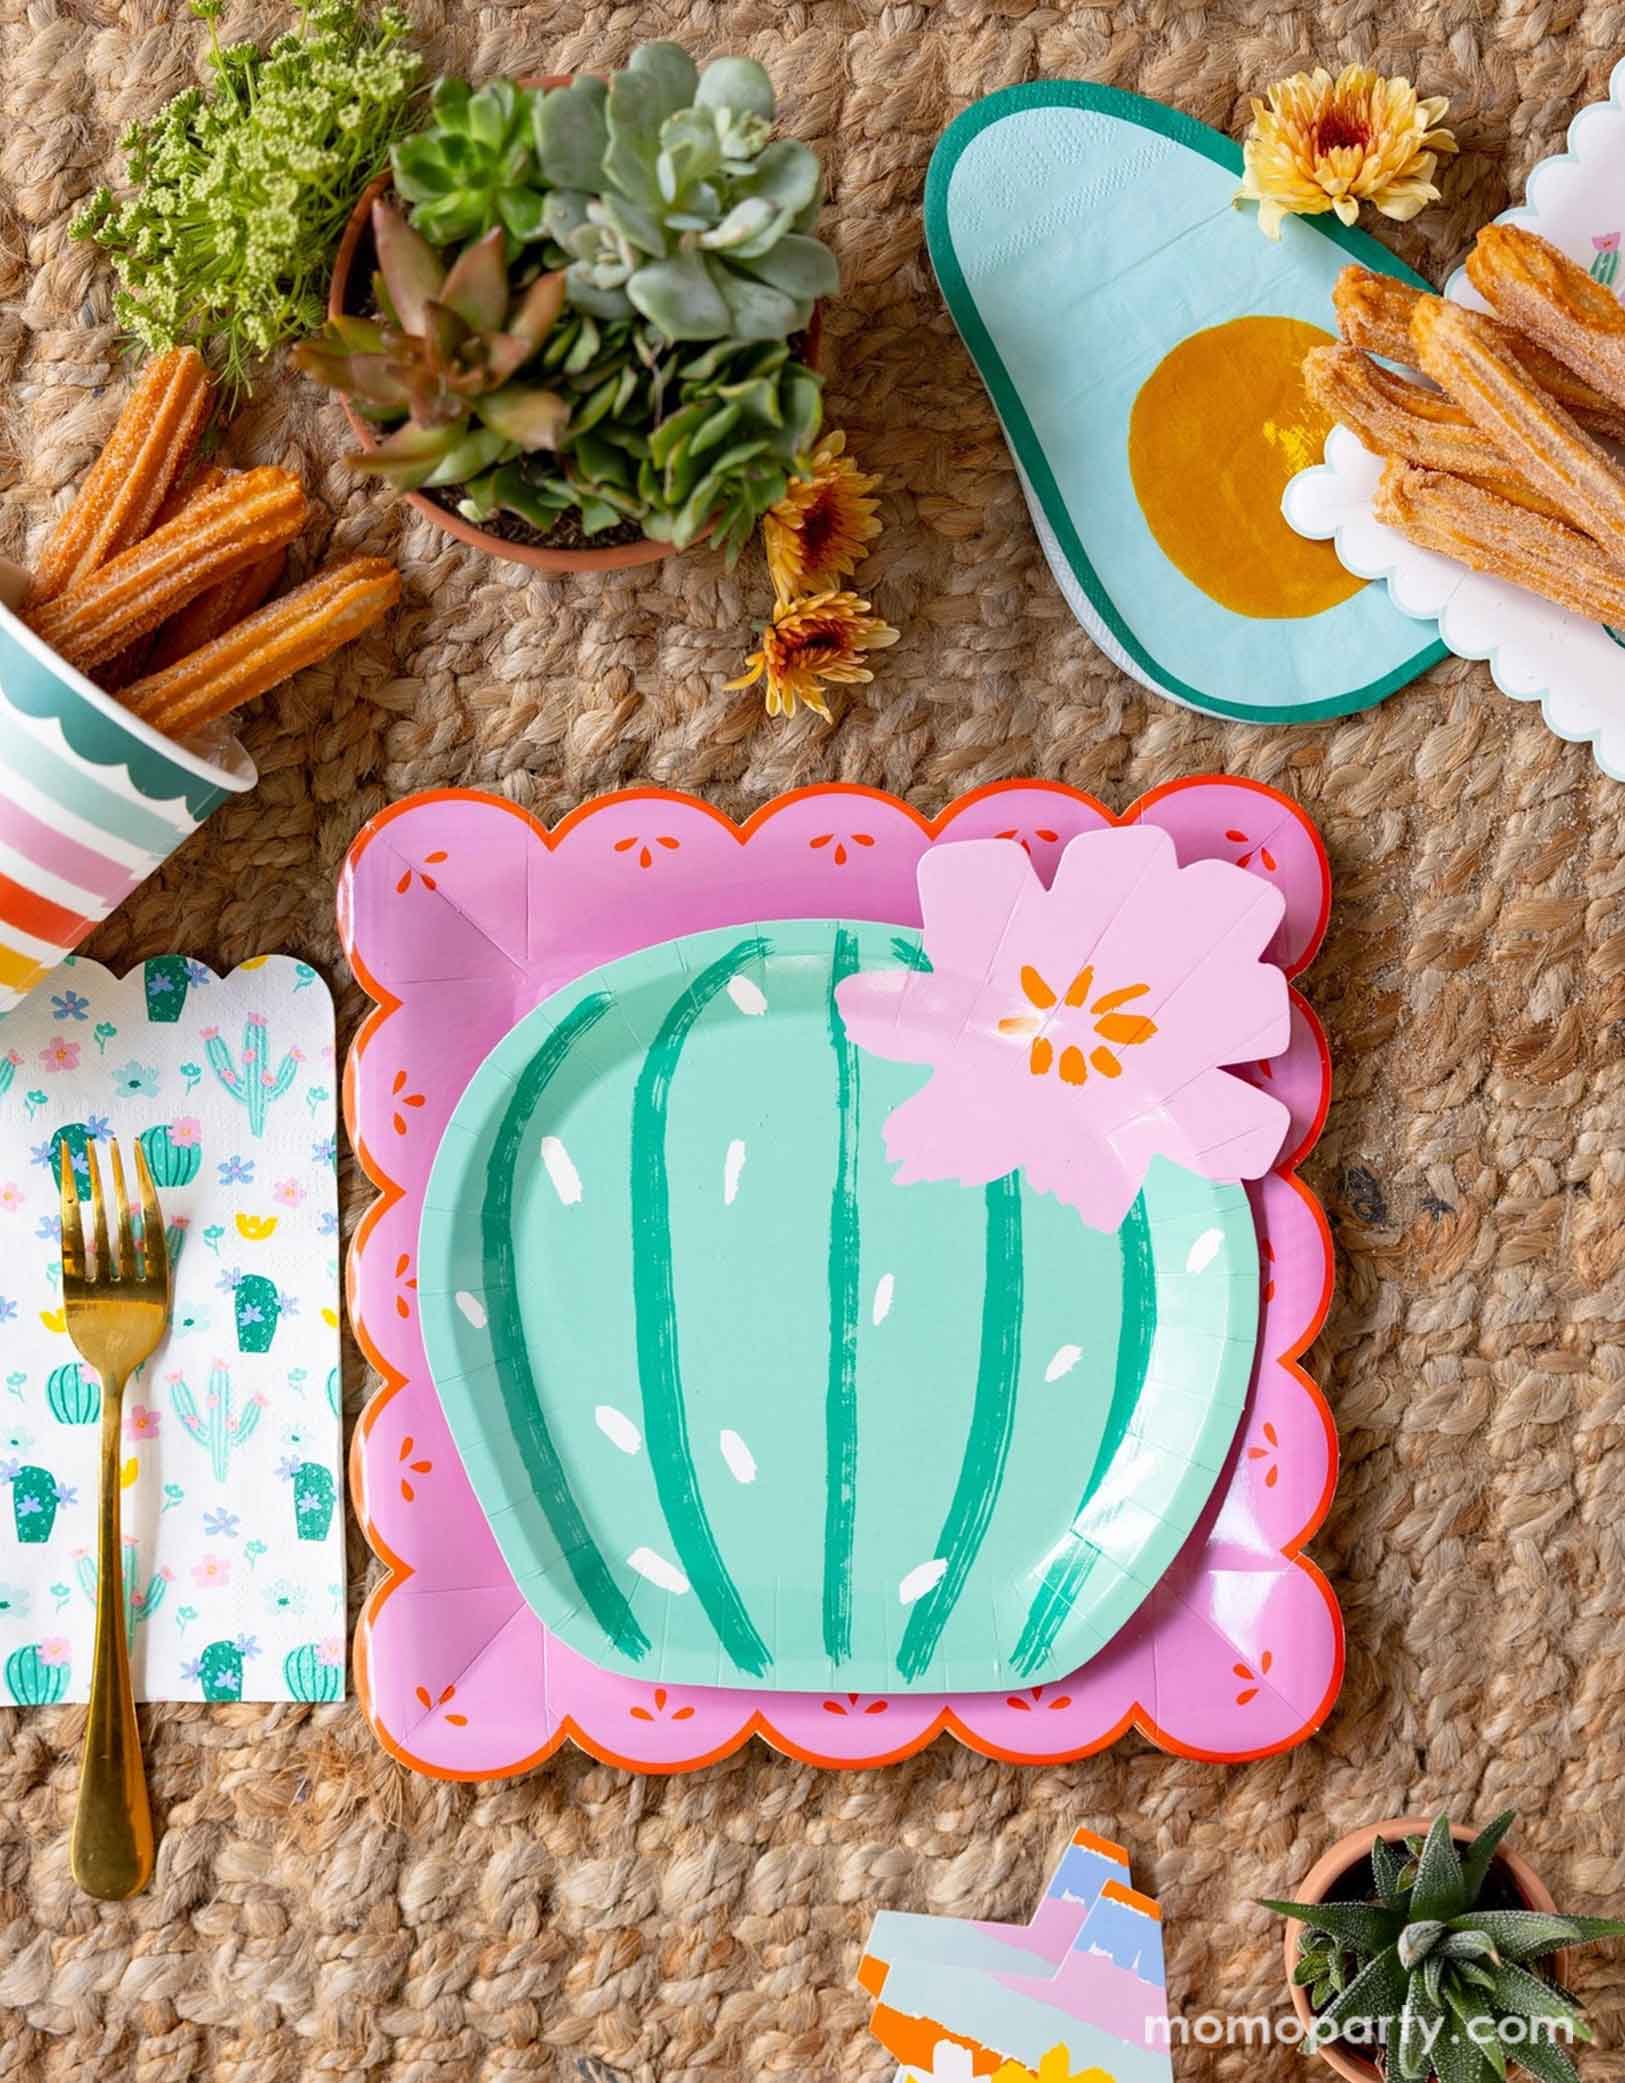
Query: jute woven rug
[318, 1912]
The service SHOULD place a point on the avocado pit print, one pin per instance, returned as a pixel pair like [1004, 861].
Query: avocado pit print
[1142, 346]
[827, 1304]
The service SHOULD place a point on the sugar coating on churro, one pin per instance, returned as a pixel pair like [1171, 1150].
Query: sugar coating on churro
[214, 612]
[1464, 522]
[208, 478]
[1374, 313]
[1392, 417]
[1551, 298]
[278, 640]
[1460, 350]
[213, 536]
[148, 449]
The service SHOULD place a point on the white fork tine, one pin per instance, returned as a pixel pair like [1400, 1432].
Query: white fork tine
[98, 1210]
[121, 1206]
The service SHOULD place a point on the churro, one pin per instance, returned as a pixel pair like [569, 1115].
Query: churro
[277, 641]
[1460, 350]
[1554, 301]
[214, 612]
[1464, 522]
[148, 449]
[237, 524]
[1394, 418]
[208, 477]
[1374, 313]
[136, 658]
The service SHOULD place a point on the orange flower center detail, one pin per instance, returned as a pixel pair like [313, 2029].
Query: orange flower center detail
[1108, 1021]
[1337, 130]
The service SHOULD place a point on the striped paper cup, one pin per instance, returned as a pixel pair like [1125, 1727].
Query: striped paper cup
[91, 802]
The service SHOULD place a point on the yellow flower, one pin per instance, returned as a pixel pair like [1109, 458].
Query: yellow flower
[815, 535]
[1056, 2067]
[1332, 145]
[823, 637]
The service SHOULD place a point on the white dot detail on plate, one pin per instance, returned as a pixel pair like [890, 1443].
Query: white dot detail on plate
[1204, 1251]
[920, 1579]
[617, 1428]
[741, 1461]
[561, 1170]
[749, 997]
[472, 1307]
[657, 1569]
[1064, 1359]
[732, 1165]
[885, 1286]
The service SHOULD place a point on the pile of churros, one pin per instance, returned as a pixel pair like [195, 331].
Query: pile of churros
[1499, 468]
[158, 579]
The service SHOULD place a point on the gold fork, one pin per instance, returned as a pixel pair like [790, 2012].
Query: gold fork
[116, 1311]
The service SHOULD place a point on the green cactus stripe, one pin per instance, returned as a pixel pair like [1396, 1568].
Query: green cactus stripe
[585, 1562]
[308, 1678]
[171, 1163]
[654, 1302]
[73, 1395]
[167, 981]
[841, 1393]
[220, 1669]
[1067, 1571]
[992, 1426]
[31, 1681]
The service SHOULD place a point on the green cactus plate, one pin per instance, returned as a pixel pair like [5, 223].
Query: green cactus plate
[739, 1407]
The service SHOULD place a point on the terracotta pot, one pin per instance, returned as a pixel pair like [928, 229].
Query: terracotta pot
[535, 555]
[1349, 1851]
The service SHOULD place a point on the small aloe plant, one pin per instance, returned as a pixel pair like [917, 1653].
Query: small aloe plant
[1443, 1986]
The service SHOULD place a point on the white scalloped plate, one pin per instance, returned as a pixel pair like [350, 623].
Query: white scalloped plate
[1535, 651]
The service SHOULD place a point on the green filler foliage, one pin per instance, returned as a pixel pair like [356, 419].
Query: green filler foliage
[241, 191]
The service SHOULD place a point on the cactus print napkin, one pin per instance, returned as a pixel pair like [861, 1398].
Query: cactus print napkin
[233, 1530]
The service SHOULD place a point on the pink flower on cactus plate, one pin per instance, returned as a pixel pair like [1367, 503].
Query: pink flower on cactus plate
[1078, 1032]
[186, 1130]
[142, 1423]
[54, 1650]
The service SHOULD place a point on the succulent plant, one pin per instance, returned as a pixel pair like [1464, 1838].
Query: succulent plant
[1439, 1984]
[474, 167]
[445, 353]
[679, 445]
[671, 199]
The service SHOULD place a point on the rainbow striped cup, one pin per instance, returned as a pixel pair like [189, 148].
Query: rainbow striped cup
[91, 802]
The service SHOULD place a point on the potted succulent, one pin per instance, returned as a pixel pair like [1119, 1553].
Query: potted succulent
[1439, 1952]
[589, 334]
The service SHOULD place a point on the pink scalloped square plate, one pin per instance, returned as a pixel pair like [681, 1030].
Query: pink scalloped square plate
[459, 913]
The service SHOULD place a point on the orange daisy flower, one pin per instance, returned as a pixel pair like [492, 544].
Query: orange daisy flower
[808, 642]
[816, 533]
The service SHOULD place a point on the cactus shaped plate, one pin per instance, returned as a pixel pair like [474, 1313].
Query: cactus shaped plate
[461, 915]
[849, 1433]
